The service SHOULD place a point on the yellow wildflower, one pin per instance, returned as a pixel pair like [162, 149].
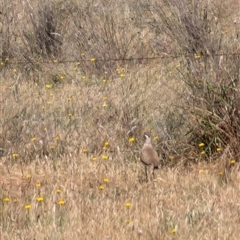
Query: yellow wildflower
[128, 204]
[92, 59]
[61, 202]
[94, 158]
[219, 149]
[58, 190]
[155, 138]
[27, 206]
[101, 187]
[52, 147]
[28, 176]
[104, 157]
[38, 185]
[128, 221]
[105, 180]
[15, 155]
[131, 139]
[197, 56]
[201, 144]
[48, 86]
[84, 150]
[203, 152]
[106, 145]
[6, 199]
[40, 199]
[104, 104]
[232, 162]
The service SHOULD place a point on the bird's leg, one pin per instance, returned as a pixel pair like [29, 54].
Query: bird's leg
[146, 173]
[153, 172]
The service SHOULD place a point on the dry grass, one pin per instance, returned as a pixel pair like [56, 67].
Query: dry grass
[195, 204]
[71, 131]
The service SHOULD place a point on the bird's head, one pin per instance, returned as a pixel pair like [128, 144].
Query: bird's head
[147, 138]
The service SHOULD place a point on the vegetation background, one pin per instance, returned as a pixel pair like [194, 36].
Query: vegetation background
[81, 81]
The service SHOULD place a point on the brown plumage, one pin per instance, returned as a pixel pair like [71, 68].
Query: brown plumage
[148, 155]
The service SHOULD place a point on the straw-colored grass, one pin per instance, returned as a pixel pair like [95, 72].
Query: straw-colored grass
[107, 200]
[76, 152]
[71, 131]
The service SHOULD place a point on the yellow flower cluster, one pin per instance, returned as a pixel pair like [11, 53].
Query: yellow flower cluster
[131, 139]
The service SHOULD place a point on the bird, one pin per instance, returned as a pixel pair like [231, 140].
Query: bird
[148, 155]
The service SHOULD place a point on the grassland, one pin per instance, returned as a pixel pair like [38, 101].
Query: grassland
[74, 110]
